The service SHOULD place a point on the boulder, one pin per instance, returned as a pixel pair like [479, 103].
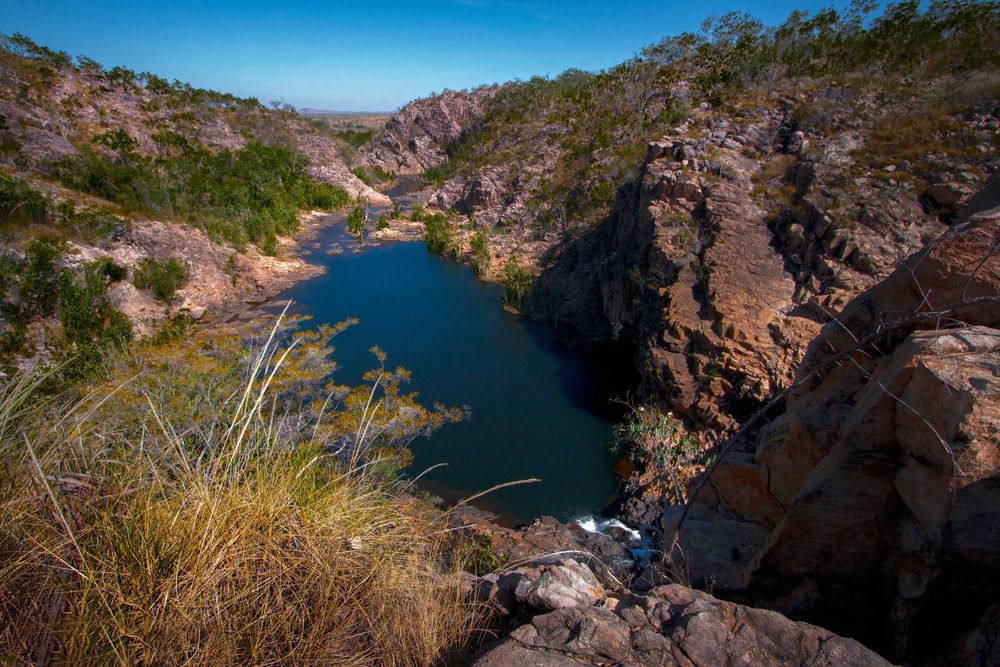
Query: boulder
[672, 625]
[563, 584]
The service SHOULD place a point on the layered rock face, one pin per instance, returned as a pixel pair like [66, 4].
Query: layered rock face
[725, 259]
[415, 137]
[870, 505]
[562, 616]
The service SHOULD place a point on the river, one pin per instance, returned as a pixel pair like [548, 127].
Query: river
[537, 410]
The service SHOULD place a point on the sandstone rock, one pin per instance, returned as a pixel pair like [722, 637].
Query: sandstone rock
[413, 139]
[564, 584]
[673, 625]
[885, 470]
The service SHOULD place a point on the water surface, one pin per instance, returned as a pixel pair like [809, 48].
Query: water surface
[537, 410]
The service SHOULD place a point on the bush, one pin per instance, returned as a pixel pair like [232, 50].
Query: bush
[382, 223]
[658, 438]
[91, 326]
[480, 250]
[253, 194]
[355, 138]
[436, 176]
[517, 282]
[21, 204]
[162, 277]
[39, 285]
[438, 232]
[356, 221]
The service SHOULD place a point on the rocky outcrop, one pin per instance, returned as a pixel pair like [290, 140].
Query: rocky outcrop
[415, 137]
[864, 506]
[219, 279]
[722, 283]
[568, 597]
[563, 618]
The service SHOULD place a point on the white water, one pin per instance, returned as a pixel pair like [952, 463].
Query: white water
[592, 525]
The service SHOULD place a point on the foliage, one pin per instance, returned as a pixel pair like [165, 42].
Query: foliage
[517, 282]
[231, 269]
[382, 223]
[25, 211]
[21, 204]
[372, 176]
[480, 250]
[355, 138]
[249, 195]
[439, 236]
[162, 277]
[436, 176]
[479, 556]
[663, 443]
[39, 284]
[356, 220]
[90, 324]
[205, 519]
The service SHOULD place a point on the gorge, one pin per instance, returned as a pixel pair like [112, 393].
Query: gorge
[704, 356]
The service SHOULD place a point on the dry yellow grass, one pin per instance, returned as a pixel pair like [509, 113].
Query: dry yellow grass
[157, 545]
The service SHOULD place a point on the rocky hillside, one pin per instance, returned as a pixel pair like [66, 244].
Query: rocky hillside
[773, 200]
[864, 505]
[124, 194]
[51, 108]
[415, 139]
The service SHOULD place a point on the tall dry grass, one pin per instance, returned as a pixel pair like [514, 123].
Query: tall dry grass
[216, 545]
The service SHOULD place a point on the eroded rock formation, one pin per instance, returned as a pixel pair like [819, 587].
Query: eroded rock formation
[870, 503]
[415, 138]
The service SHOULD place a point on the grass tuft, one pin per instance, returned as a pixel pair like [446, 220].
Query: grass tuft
[158, 523]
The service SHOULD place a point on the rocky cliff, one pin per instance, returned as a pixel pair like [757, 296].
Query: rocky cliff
[868, 503]
[415, 138]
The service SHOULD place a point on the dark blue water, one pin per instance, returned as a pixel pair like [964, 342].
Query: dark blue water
[537, 410]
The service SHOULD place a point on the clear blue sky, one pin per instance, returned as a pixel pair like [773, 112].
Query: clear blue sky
[362, 55]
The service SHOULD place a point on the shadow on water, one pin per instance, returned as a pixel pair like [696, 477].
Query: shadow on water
[597, 378]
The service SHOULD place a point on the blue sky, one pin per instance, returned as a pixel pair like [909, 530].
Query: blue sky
[358, 56]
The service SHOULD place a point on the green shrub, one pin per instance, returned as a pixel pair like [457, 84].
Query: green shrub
[478, 556]
[438, 233]
[162, 277]
[382, 223]
[230, 269]
[480, 250]
[517, 282]
[21, 204]
[354, 138]
[39, 285]
[253, 194]
[436, 176]
[356, 220]
[660, 440]
[111, 270]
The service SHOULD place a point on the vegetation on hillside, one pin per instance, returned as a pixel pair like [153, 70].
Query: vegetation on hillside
[587, 131]
[253, 194]
[89, 327]
[167, 157]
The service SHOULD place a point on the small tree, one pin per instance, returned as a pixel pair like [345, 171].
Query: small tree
[480, 250]
[356, 221]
